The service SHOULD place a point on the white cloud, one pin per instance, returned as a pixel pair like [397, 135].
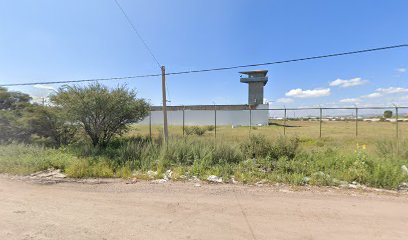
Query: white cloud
[285, 100]
[44, 87]
[392, 90]
[401, 70]
[350, 100]
[348, 83]
[372, 95]
[300, 93]
[403, 98]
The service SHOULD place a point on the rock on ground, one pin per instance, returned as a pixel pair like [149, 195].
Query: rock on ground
[214, 179]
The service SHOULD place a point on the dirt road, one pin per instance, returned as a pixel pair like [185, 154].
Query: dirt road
[183, 211]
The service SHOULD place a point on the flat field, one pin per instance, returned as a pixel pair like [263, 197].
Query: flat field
[333, 133]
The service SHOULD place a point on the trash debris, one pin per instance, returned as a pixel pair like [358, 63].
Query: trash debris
[160, 181]
[214, 179]
[133, 181]
[404, 169]
[49, 173]
[151, 173]
[168, 174]
[195, 179]
[306, 180]
[355, 185]
[342, 184]
[197, 185]
[263, 181]
[403, 187]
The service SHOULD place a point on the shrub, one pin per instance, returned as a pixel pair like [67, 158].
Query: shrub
[258, 146]
[102, 112]
[284, 147]
[195, 130]
[210, 128]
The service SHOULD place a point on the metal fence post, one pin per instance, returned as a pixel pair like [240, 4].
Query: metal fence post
[396, 122]
[284, 122]
[183, 121]
[397, 129]
[356, 122]
[321, 113]
[215, 121]
[250, 119]
[150, 124]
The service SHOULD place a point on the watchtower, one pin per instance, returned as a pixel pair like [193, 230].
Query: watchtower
[256, 80]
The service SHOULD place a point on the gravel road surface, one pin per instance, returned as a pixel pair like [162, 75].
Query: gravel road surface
[177, 210]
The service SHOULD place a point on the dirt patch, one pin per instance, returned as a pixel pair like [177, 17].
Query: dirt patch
[180, 210]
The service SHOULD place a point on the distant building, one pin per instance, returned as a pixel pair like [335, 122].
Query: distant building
[254, 113]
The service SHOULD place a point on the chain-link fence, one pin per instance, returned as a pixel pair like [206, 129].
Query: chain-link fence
[232, 123]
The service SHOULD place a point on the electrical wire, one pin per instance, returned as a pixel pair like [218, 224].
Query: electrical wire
[137, 33]
[292, 60]
[213, 69]
[80, 80]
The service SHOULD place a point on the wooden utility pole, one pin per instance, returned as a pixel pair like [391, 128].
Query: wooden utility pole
[165, 128]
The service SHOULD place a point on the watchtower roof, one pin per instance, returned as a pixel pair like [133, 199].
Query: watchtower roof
[254, 71]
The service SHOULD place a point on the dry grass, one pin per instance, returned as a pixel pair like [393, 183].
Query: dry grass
[334, 133]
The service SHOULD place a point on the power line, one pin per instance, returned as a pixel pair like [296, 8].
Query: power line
[292, 60]
[137, 32]
[213, 69]
[81, 80]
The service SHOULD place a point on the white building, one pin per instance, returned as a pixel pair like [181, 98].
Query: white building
[253, 113]
[209, 115]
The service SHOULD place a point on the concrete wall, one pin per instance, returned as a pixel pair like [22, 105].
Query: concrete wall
[206, 117]
[255, 92]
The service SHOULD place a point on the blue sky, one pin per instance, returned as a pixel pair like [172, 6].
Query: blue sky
[47, 40]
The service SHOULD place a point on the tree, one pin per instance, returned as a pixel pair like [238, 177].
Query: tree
[51, 123]
[13, 100]
[100, 111]
[13, 127]
[388, 114]
[12, 112]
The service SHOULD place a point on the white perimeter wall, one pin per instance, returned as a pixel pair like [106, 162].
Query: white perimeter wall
[206, 117]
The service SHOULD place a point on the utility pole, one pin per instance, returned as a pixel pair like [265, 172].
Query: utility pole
[165, 128]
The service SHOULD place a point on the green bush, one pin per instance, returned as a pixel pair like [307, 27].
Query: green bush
[258, 146]
[210, 128]
[195, 130]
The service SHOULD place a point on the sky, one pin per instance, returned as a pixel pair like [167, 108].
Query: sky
[48, 40]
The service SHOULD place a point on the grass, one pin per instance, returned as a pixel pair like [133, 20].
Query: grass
[295, 160]
[333, 131]
[25, 159]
